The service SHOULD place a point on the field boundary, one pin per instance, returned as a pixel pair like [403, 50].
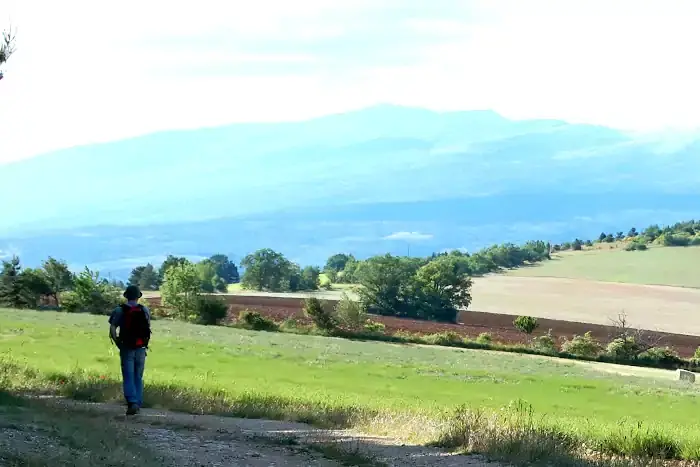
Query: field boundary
[470, 323]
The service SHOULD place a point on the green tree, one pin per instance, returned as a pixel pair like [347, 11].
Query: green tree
[149, 278]
[169, 262]
[225, 269]
[347, 275]
[442, 289]
[602, 236]
[266, 269]
[35, 285]
[91, 294]
[135, 276]
[632, 232]
[181, 289]
[387, 283]
[12, 291]
[210, 280]
[310, 278]
[337, 262]
[526, 324]
[577, 245]
[58, 276]
[652, 232]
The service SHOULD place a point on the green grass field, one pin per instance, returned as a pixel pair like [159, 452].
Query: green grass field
[656, 266]
[385, 388]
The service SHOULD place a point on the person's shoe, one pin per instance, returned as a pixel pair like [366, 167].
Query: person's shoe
[133, 409]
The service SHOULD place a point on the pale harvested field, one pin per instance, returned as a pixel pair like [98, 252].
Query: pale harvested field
[656, 308]
[659, 308]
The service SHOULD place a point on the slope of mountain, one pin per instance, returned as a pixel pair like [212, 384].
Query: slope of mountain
[319, 186]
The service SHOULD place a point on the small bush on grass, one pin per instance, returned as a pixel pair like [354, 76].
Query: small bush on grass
[623, 348]
[546, 344]
[448, 338]
[323, 319]
[374, 327]
[408, 336]
[350, 314]
[660, 355]
[582, 346]
[526, 324]
[209, 310]
[636, 246]
[253, 320]
[696, 357]
[293, 326]
[484, 338]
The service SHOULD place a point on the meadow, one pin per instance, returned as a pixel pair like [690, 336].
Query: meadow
[416, 393]
[673, 266]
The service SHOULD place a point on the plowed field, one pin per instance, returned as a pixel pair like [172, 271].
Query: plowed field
[472, 323]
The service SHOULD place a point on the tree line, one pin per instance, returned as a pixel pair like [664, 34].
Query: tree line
[436, 287]
[686, 233]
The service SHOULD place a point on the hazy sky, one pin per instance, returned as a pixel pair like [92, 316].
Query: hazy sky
[89, 71]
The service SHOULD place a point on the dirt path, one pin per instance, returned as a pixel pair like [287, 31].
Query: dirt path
[207, 440]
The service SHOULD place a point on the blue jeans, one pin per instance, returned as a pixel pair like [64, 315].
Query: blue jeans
[133, 362]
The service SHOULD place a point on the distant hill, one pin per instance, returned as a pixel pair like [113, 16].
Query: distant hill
[386, 178]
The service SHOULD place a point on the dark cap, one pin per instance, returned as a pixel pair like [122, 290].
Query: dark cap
[132, 292]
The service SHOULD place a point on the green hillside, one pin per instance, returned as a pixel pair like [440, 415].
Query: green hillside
[379, 387]
[677, 266]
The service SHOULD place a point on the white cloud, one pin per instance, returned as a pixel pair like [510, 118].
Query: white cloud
[417, 236]
[87, 71]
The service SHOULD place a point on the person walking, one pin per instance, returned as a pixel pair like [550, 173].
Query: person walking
[134, 323]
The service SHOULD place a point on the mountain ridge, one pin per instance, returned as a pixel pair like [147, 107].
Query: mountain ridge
[368, 159]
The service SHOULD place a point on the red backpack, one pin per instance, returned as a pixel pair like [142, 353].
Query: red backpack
[135, 331]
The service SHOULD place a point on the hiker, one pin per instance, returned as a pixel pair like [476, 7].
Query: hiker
[134, 323]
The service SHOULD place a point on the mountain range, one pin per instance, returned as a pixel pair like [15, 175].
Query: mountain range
[382, 179]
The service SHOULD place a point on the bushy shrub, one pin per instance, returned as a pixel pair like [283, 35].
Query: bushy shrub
[181, 290]
[374, 327]
[292, 325]
[623, 348]
[408, 336]
[663, 355]
[91, 294]
[209, 310]
[695, 241]
[669, 239]
[696, 355]
[582, 346]
[484, 338]
[323, 319]
[253, 320]
[545, 344]
[636, 246]
[526, 324]
[448, 338]
[350, 314]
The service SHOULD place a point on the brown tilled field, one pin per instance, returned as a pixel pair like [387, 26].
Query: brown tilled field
[472, 323]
